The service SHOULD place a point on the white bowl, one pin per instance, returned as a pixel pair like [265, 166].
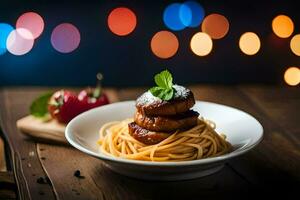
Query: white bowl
[243, 131]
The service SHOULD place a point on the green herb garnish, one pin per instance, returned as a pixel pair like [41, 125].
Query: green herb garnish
[164, 89]
[39, 107]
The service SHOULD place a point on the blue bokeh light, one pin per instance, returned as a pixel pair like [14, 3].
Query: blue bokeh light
[185, 15]
[197, 12]
[5, 30]
[177, 16]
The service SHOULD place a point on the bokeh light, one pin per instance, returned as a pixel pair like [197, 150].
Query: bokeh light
[197, 13]
[31, 21]
[283, 26]
[177, 16]
[5, 30]
[215, 25]
[201, 44]
[20, 41]
[292, 76]
[164, 44]
[295, 44]
[249, 43]
[185, 15]
[122, 21]
[65, 38]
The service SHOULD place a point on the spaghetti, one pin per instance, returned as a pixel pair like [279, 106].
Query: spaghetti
[201, 141]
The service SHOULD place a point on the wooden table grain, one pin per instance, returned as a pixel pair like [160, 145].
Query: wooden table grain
[273, 167]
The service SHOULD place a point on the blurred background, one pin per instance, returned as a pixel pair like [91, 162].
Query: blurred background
[62, 43]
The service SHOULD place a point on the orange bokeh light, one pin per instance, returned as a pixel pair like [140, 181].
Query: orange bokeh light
[283, 26]
[292, 76]
[295, 44]
[164, 44]
[201, 44]
[249, 43]
[215, 25]
[122, 21]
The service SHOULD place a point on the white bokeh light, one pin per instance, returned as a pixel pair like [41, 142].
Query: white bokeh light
[20, 41]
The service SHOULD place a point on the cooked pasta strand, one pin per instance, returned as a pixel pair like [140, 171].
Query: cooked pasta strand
[199, 142]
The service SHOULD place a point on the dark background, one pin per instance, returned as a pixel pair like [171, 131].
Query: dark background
[129, 61]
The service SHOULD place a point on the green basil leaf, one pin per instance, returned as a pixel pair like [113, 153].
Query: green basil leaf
[164, 89]
[39, 107]
[164, 94]
[164, 79]
[155, 91]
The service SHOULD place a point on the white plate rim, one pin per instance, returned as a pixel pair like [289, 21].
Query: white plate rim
[211, 160]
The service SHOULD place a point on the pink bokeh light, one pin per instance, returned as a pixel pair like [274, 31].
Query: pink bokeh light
[32, 22]
[65, 38]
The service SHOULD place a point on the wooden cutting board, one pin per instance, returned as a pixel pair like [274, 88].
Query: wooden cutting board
[50, 131]
[36, 128]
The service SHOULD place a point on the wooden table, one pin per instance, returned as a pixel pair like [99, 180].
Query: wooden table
[272, 167]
